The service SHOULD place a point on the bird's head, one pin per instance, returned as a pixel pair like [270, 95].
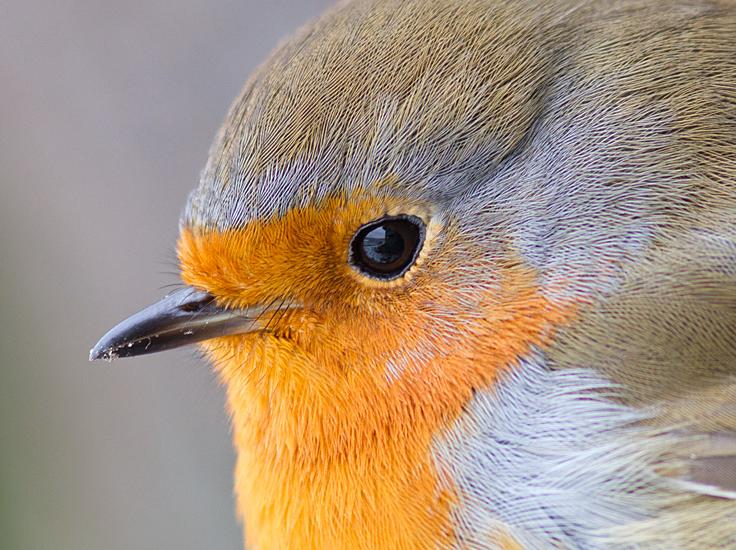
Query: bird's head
[344, 242]
[353, 256]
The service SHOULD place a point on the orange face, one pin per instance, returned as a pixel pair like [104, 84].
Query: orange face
[340, 389]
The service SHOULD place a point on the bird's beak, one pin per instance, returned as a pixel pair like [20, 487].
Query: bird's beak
[182, 317]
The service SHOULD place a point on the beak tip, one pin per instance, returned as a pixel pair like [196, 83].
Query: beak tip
[100, 352]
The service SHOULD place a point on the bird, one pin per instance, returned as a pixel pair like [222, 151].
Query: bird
[467, 270]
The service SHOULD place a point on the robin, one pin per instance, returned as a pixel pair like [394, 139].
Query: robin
[468, 272]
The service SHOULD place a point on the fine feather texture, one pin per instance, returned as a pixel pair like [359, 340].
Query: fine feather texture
[552, 458]
[576, 162]
[548, 457]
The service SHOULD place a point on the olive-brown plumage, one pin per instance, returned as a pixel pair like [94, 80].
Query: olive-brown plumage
[548, 357]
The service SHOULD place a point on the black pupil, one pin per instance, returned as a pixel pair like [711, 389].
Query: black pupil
[383, 245]
[387, 248]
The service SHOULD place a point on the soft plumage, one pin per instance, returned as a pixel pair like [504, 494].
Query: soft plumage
[558, 368]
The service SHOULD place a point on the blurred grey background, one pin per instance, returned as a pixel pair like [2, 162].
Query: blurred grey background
[107, 109]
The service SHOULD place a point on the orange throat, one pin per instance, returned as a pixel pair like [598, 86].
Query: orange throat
[336, 407]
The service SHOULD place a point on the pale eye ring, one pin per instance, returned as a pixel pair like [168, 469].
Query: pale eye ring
[387, 247]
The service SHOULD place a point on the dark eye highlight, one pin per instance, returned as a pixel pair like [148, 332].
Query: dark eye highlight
[386, 248]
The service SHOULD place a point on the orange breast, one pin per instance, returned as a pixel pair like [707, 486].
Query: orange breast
[336, 406]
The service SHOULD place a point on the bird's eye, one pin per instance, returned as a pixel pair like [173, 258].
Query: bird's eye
[386, 248]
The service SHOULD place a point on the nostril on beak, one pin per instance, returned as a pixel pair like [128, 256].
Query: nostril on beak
[195, 306]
